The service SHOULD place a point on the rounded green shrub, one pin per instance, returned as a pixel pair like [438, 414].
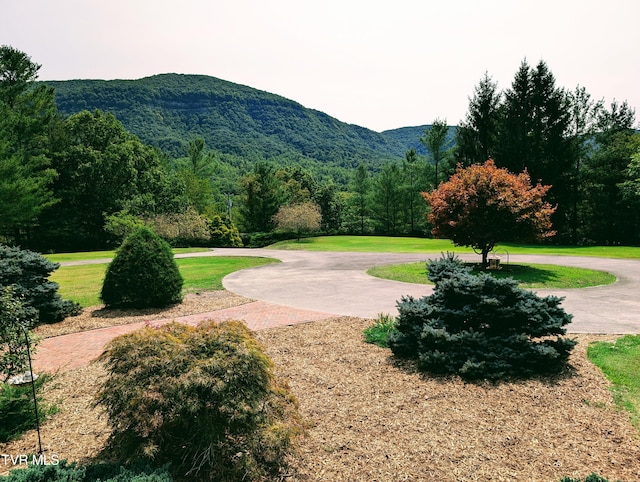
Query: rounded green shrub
[223, 233]
[143, 274]
[202, 399]
[480, 327]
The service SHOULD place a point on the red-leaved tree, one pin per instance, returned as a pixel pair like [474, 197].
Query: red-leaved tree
[482, 205]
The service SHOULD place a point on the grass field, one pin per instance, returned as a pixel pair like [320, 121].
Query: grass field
[620, 362]
[91, 255]
[424, 245]
[83, 283]
[528, 275]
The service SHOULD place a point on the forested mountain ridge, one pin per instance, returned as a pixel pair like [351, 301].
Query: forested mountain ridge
[167, 110]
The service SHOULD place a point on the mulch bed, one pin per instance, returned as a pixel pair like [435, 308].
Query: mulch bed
[372, 418]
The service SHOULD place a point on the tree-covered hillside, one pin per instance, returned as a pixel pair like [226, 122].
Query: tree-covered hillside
[165, 110]
[409, 137]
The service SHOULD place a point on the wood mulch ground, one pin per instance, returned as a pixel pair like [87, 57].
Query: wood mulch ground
[374, 419]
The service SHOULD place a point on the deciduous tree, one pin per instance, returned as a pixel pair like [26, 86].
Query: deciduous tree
[299, 218]
[102, 169]
[482, 205]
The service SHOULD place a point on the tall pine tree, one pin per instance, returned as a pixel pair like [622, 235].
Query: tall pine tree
[476, 137]
[27, 114]
[533, 135]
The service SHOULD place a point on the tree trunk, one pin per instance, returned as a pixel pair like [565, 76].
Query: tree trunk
[485, 253]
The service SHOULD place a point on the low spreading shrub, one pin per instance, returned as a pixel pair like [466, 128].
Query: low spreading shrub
[65, 472]
[143, 274]
[482, 327]
[28, 273]
[589, 478]
[204, 399]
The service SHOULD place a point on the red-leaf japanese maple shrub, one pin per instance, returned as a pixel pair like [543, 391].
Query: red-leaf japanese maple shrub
[203, 399]
[482, 205]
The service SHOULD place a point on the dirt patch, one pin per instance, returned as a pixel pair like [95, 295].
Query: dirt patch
[372, 418]
[97, 317]
[376, 419]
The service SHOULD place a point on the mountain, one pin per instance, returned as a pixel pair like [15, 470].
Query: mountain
[409, 137]
[169, 109]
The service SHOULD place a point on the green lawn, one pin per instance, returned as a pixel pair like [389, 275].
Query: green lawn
[90, 255]
[528, 275]
[424, 245]
[620, 362]
[83, 283]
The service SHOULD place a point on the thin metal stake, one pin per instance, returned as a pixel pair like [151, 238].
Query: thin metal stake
[33, 387]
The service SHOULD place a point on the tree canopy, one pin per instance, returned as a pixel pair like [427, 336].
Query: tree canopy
[482, 205]
[27, 113]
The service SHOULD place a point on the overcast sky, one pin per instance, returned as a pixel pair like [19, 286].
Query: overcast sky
[378, 64]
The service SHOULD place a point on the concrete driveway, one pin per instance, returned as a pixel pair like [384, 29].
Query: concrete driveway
[337, 283]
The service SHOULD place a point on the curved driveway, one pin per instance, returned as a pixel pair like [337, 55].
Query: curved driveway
[337, 283]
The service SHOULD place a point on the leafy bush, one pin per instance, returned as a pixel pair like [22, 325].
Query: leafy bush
[203, 399]
[66, 472]
[223, 233]
[17, 414]
[182, 229]
[380, 330]
[482, 327]
[143, 274]
[28, 273]
[122, 224]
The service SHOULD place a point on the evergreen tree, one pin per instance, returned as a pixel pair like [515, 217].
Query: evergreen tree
[412, 187]
[476, 137]
[361, 188]
[582, 128]
[262, 195]
[437, 143]
[143, 274]
[27, 113]
[609, 217]
[387, 200]
[535, 122]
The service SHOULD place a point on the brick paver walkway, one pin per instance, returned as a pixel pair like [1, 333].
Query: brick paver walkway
[66, 352]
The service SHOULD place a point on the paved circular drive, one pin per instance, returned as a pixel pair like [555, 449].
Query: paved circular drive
[337, 283]
[310, 286]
